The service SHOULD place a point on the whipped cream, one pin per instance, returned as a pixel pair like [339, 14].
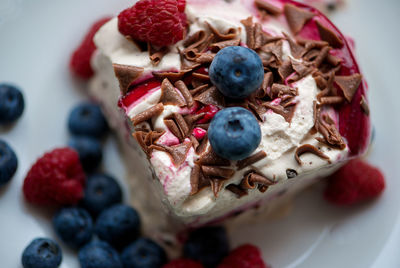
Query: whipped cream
[279, 138]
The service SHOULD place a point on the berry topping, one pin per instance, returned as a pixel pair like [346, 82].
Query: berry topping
[57, 178]
[209, 112]
[99, 254]
[119, 225]
[86, 119]
[42, 253]
[207, 245]
[74, 226]
[159, 22]
[11, 104]
[183, 263]
[355, 182]
[101, 192]
[143, 253]
[237, 71]
[246, 256]
[234, 133]
[89, 150]
[80, 59]
[8, 163]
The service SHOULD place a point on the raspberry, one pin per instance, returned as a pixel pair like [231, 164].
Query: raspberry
[57, 178]
[355, 182]
[80, 59]
[159, 22]
[183, 263]
[246, 256]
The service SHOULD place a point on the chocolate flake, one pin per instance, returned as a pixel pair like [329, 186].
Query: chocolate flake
[331, 100]
[191, 119]
[148, 114]
[268, 7]
[249, 27]
[210, 158]
[364, 105]
[180, 85]
[285, 69]
[173, 127]
[237, 190]
[220, 45]
[194, 141]
[199, 89]
[308, 148]
[329, 35]
[211, 96]
[171, 76]
[126, 75]
[291, 173]
[213, 171]
[279, 90]
[286, 113]
[146, 139]
[252, 179]
[230, 34]
[267, 82]
[216, 186]
[202, 148]
[197, 180]
[296, 49]
[296, 17]
[258, 110]
[169, 95]
[178, 152]
[195, 40]
[203, 77]
[156, 55]
[349, 85]
[251, 160]
[205, 57]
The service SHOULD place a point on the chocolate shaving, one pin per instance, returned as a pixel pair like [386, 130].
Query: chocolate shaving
[250, 30]
[213, 171]
[146, 139]
[180, 85]
[364, 105]
[210, 158]
[285, 69]
[251, 160]
[205, 58]
[191, 119]
[267, 82]
[204, 126]
[279, 90]
[237, 190]
[300, 68]
[195, 40]
[216, 186]
[203, 77]
[333, 60]
[321, 82]
[220, 45]
[148, 114]
[322, 56]
[169, 95]
[156, 55]
[258, 110]
[173, 127]
[296, 17]
[268, 7]
[296, 49]
[197, 180]
[202, 148]
[349, 85]
[230, 34]
[286, 113]
[194, 141]
[329, 35]
[126, 75]
[274, 48]
[308, 148]
[181, 123]
[331, 100]
[177, 153]
[252, 179]
[326, 126]
[199, 89]
[171, 76]
[211, 96]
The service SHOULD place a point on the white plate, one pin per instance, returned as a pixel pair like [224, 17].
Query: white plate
[36, 38]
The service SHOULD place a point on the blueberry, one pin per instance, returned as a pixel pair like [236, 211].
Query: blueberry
[89, 150]
[237, 72]
[234, 133]
[74, 226]
[86, 119]
[208, 245]
[12, 103]
[119, 225]
[143, 253]
[42, 253]
[99, 254]
[8, 163]
[101, 191]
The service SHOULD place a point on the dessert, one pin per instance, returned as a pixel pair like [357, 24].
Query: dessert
[311, 106]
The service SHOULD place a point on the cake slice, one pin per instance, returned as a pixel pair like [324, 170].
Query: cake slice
[311, 107]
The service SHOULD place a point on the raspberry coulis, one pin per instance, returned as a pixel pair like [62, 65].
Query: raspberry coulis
[137, 92]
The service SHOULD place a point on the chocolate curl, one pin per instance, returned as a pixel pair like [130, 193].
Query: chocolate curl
[148, 114]
[253, 180]
[232, 33]
[211, 158]
[364, 105]
[180, 85]
[146, 139]
[285, 70]
[308, 148]
[279, 90]
[268, 7]
[156, 55]
[205, 58]
[195, 40]
[213, 171]
[126, 75]
[349, 85]
[329, 36]
[191, 119]
[296, 17]
[332, 100]
[322, 56]
[216, 186]
[251, 160]
[258, 110]
[326, 126]
[250, 30]
[267, 82]
[169, 95]
[296, 49]
[237, 190]
[286, 113]
[220, 45]
[211, 96]
[177, 153]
